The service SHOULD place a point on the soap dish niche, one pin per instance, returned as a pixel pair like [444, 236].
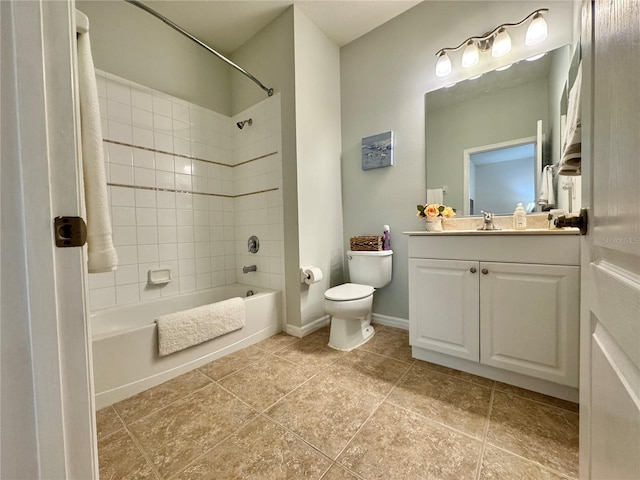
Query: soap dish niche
[159, 276]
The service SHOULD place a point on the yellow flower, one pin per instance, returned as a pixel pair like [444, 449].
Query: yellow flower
[448, 212]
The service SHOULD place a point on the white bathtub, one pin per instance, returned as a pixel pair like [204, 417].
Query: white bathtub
[125, 340]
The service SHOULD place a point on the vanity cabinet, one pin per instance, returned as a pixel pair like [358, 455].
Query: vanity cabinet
[506, 302]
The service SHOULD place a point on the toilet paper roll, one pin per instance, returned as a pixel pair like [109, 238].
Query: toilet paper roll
[312, 275]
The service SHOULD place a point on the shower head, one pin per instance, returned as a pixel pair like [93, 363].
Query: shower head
[241, 124]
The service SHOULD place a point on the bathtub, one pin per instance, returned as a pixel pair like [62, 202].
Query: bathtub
[125, 340]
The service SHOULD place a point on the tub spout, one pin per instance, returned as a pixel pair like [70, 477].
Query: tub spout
[250, 268]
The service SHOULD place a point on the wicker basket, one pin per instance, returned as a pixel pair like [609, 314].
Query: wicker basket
[366, 243]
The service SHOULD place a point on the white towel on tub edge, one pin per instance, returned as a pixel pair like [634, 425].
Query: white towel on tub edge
[180, 330]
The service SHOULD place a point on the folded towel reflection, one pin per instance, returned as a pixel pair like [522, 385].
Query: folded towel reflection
[571, 161]
[435, 195]
[180, 330]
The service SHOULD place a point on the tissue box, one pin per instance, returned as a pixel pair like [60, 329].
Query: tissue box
[366, 243]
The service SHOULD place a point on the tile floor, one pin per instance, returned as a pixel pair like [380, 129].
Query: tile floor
[289, 408]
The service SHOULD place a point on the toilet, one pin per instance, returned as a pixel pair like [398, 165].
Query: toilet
[350, 304]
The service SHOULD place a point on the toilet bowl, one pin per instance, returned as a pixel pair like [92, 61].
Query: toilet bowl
[350, 304]
[350, 308]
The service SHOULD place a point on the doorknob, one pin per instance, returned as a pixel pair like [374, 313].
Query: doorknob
[580, 221]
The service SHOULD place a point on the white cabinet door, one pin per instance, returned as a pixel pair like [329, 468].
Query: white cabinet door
[529, 319]
[443, 306]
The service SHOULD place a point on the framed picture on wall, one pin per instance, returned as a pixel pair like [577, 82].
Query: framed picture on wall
[377, 151]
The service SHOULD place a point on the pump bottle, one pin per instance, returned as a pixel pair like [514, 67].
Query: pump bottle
[520, 218]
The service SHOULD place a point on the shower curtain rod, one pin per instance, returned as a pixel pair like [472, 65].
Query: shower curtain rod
[202, 44]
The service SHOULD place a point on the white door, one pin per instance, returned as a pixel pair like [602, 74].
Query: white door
[443, 306]
[610, 317]
[48, 426]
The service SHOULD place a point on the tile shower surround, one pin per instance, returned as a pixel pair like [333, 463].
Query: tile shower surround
[186, 189]
[295, 408]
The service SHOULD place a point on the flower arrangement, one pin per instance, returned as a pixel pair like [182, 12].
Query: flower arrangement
[433, 210]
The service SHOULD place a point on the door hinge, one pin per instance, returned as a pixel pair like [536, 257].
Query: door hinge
[69, 231]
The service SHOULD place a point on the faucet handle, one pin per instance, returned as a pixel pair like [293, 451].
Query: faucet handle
[488, 221]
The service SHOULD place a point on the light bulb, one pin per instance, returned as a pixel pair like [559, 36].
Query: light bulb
[501, 44]
[536, 57]
[471, 55]
[537, 31]
[502, 69]
[443, 65]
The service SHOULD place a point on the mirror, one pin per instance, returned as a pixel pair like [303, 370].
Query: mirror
[488, 139]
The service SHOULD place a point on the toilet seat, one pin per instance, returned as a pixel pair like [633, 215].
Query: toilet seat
[348, 291]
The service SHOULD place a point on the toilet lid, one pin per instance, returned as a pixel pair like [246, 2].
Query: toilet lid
[348, 291]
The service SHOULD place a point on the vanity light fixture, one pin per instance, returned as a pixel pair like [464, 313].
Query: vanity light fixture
[501, 44]
[443, 65]
[498, 41]
[471, 55]
[537, 31]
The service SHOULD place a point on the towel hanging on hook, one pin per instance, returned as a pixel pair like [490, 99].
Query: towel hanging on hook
[102, 255]
[547, 195]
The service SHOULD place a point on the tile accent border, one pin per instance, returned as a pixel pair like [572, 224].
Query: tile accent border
[172, 190]
[190, 157]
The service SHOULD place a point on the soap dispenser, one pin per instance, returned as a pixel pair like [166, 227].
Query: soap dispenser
[386, 238]
[520, 218]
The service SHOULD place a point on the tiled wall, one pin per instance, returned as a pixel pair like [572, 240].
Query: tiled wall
[257, 163]
[187, 188]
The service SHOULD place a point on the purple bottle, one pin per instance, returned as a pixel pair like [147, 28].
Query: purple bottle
[386, 244]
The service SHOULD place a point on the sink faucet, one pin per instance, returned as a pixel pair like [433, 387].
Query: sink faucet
[250, 268]
[488, 221]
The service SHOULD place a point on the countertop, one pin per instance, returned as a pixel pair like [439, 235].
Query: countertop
[506, 231]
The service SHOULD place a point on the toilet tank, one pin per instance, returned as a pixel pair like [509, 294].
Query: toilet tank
[370, 268]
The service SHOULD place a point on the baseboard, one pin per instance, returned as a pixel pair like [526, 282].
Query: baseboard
[308, 328]
[390, 321]
[325, 320]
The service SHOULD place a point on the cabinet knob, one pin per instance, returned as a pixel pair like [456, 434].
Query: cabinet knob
[485, 271]
[473, 270]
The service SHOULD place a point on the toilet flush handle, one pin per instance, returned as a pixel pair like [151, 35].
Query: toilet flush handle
[349, 257]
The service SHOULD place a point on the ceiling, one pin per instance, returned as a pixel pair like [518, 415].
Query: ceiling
[226, 25]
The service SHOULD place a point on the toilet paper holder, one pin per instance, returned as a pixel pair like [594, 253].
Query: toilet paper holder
[303, 274]
[310, 274]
